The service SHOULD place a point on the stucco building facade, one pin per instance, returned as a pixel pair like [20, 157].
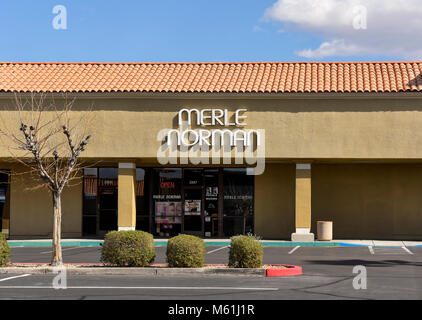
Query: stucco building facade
[342, 143]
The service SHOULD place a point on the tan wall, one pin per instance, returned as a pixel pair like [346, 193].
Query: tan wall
[374, 201]
[31, 211]
[295, 128]
[275, 202]
[368, 201]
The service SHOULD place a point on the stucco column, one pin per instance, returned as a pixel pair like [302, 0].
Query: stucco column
[303, 204]
[126, 196]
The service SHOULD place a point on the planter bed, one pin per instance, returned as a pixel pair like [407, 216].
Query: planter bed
[273, 270]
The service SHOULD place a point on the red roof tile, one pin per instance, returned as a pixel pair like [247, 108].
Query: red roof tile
[247, 77]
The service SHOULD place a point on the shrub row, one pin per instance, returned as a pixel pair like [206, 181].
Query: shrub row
[4, 251]
[136, 249]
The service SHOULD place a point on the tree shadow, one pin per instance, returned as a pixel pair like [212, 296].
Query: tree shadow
[416, 82]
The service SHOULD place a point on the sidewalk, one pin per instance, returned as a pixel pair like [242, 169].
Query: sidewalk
[226, 242]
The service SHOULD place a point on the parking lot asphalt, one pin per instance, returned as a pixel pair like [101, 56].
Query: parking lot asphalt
[392, 273]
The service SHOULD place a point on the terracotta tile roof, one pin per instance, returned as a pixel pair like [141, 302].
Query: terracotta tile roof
[248, 77]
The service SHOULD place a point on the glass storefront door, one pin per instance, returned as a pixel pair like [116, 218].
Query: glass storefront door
[107, 190]
[100, 201]
[211, 203]
[193, 192]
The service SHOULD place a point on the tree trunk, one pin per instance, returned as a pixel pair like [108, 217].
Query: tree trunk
[57, 229]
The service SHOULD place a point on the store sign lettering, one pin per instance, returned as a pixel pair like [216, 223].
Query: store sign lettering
[211, 136]
[212, 117]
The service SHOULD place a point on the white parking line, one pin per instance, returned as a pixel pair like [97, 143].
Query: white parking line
[407, 250]
[217, 249]
[145, 288]
[371, 249]
[294, 249]
[62, 250]
[14, 277]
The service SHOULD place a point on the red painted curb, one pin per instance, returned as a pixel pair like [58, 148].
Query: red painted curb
[289, 270]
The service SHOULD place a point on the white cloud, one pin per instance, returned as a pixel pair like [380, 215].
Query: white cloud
[385, 27]
[332, 48]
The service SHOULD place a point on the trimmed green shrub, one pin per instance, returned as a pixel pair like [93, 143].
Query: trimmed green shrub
[4, 251]
[128, 249]
[185, 251]
[245, 252]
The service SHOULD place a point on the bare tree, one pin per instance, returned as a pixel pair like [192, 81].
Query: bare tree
[47, 138]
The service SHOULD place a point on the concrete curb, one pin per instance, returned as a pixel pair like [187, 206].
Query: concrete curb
[151, 271]
[136, 271]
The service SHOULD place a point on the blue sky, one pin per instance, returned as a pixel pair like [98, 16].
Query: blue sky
[170, 30]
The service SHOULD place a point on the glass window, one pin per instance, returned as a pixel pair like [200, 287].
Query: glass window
[192, 177]
[233, 226]
[238, 201]
[90, 189]
[211, 202]
[192, 209]
[90, 182]
[142, 200]
[167, 201]
[89, 225]
[4, 199]
[142, 223]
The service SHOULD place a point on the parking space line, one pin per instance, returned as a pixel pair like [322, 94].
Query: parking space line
[407, 250]
[217, 249]
[390, 251]
[14, 277]
[371, 249]
[294, 249]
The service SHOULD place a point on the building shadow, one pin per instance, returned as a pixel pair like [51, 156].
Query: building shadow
[367, 263]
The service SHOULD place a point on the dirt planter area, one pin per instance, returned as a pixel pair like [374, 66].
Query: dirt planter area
[278, 270]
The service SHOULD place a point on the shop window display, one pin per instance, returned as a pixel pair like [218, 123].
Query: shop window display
[167, 205]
